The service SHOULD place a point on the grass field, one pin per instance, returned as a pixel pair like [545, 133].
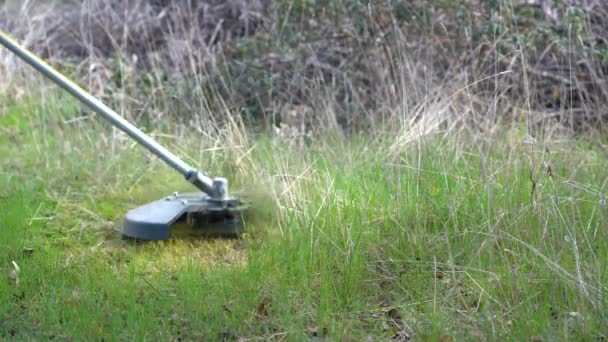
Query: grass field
[454, 237]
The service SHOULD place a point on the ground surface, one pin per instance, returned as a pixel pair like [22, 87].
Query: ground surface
[457, 237]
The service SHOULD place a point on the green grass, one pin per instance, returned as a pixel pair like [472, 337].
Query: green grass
[458, 237]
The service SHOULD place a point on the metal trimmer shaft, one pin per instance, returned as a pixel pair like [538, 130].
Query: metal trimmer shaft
[215, 188]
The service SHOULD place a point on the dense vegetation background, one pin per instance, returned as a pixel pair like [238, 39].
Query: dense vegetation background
[345, 64]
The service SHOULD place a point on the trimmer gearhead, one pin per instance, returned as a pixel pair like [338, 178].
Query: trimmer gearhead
[154, 220]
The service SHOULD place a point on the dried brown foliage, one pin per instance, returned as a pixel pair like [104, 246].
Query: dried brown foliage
[352, 64]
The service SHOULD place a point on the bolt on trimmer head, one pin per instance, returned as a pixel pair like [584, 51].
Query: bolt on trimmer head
[212, 209]
[217, 216]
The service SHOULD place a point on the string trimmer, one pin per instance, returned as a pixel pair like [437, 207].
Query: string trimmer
[212, 210]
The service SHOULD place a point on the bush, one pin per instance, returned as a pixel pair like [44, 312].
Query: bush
[359, 64]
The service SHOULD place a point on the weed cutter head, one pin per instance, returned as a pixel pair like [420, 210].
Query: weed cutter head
[154, 221]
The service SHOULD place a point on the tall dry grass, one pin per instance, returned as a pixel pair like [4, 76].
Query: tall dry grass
[416, 69]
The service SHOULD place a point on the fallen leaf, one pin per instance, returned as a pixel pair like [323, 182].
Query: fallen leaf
[14, 273]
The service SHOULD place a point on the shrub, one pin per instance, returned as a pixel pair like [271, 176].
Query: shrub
[357, 63]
